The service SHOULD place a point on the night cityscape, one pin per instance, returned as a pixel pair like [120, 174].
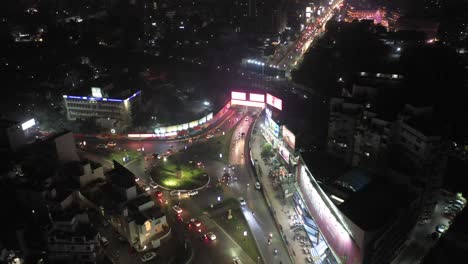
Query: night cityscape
[234, 131]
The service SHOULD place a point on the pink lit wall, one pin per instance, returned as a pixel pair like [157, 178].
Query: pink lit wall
[238, 96]
[338, 239]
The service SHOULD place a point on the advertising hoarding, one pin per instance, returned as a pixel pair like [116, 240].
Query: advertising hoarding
[257, 97]
[289, 138]
[274, 101]
[238, 96]
[247, 103]
[272, 126]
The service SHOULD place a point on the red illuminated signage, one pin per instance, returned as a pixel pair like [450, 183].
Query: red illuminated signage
[274, 101]
[257, 97]
[238, 96]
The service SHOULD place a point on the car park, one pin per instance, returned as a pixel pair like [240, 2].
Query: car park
[177, 209]
[148, 256]
[242, 201]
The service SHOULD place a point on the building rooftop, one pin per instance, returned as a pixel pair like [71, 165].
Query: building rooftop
[82, 230]
[355, 179]
[375, 205]
[108, 90]
[121, 176]
[324, 167]
[428, 126]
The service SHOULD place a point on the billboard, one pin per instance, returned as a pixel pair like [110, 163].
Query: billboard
[247, 103]
[238, 96]
[289, 138]
[274, 101]
[28, 124]
[257, 97]
[272, 126]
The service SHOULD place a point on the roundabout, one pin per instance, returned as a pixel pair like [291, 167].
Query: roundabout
[176, 173]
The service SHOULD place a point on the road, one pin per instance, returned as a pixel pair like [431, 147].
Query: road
[256, 211]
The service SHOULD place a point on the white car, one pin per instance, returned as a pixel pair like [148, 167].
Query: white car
[257, 186]
[236, 260]
[153, 185]
[177, 209]
[211, 236]
[241, 201]
[145, 187]
[192, 193]
[111, 144]
[148, 256]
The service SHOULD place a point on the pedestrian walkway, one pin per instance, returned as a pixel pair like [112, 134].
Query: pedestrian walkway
[282, 209]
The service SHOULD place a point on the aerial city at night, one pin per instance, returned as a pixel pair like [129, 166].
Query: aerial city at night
[234, 131]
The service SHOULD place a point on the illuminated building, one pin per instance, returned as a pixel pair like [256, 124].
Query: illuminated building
[98, 106]
[378, 16]
[363, 224]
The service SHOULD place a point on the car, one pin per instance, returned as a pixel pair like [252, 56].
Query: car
[211, 236]
[203, 237]
[209, 136]
[145, 187]
[177, 209]
[195, 222]
[441, 228]
[137, 179]
[257, 186]
[155, 156]
[192, 193]
[158, 194]
[104, 241]
[148, 256]
[153, 185]
[246, 119]
[101, 146]
[242, 201]
[111, 144]
[236, 260]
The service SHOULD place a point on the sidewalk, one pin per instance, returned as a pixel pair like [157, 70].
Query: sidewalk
[282, 208]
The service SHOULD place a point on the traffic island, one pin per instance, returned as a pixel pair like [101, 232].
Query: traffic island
[229, 217]
[176, 173]
[124, 157]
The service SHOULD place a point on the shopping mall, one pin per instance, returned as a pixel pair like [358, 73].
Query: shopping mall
[348, 217]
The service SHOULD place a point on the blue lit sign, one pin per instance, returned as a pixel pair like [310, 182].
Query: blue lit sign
[100, 99]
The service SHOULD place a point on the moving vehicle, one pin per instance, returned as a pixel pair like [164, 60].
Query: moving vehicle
[441, 228]
[192, 193]
[111, 144]
[211, 236]
[145, 187]
[242, 201]
[101, 146]
[177, 209]
[236, 260]
[257, 186]
[158, 194]
[195, 222]
[153, 185]
[148, 256]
